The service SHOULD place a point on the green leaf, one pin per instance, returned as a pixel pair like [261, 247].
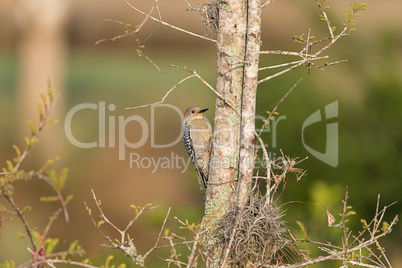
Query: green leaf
[73, 246]
[43, 97]
[32, 127]
[364, 222]
[62, 179]
[302, 228]
[36, 236]
[136, 209]
[69, 198]
[7, 264]
[50, 244]
[52, 121]
[47, 199]
[108, 259]
[166, 232]
[48, 163]
[10, 166]
[20, 235]
[27, 209]
[350, 213]
[52, 176]
[17, 150]
[40, 109]
[31, 142]
[385, 227]
[52, 95]
[5, 173]
[100, 223]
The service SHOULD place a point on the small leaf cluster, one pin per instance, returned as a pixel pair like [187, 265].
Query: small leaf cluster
[352, 15]
[43, 248]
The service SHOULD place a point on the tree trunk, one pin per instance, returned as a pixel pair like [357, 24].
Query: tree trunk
[232, 159]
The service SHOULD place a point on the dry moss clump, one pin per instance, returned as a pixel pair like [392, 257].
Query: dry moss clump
[210, 15]
[256, 234]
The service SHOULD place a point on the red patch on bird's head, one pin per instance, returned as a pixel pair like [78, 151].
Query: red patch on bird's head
[186, 112]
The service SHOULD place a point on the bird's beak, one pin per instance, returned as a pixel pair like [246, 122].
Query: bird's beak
[203, 111]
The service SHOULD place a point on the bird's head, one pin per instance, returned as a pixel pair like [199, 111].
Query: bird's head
[194, 112]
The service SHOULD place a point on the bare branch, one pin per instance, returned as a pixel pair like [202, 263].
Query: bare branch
[160, 234]
[279, 65]
[23, 220]
[59, 195]
[280, 52]
[193, 250]
[69, 262]
[195, 74]
[281, 72]
[44, 115]
[164, 97]
[343, 254]
[170, 25]
[132, 32]
[327, 20]
[50, 223]
[148, 59]
[271, 114]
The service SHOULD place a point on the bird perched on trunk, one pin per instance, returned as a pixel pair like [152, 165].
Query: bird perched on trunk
[197, 135]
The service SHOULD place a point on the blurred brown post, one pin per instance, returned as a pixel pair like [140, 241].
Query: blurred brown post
[42, 55]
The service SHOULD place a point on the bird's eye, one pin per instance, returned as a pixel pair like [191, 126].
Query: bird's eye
[192, 112]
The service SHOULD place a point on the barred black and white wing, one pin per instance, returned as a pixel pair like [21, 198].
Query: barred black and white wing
[188, 144]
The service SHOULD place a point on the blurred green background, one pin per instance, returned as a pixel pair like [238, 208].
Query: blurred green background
[368, 89]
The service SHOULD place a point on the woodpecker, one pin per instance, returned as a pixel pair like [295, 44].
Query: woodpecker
[197, 139]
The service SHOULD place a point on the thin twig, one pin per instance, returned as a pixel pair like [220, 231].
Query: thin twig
[174, 252]
[59, 195]
[160, 234]
[195, 74]
[42, 123]
[281, 52]
[53, 255]
[271, 114]
[148, 59]
[23, 220]
[327, 21]
[343, 223]
[193, 250]
[170, 25]
[164, 97]
[132, 32]
[96, 224]
[330, 43]
[281, 72]
[50, 223]
[279, 65]
[363, 244]
[69, 262]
